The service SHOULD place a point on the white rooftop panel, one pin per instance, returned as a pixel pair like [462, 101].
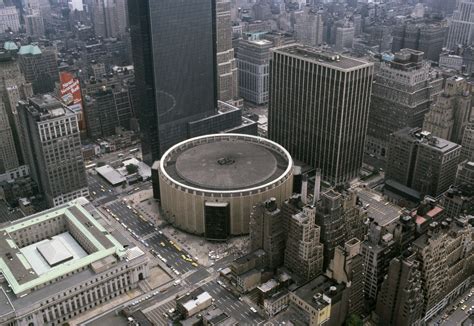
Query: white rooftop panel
[38, 262]
[110, 174]
[54, 252]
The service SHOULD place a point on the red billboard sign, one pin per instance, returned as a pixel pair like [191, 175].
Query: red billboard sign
[70, 93]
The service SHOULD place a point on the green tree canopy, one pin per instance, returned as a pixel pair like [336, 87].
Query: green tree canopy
[353, 320]
[131, 168]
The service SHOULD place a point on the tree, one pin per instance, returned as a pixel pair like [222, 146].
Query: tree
[131, 168]
[353, 320]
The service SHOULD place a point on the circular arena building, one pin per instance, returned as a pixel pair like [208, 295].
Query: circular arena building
[209, 184]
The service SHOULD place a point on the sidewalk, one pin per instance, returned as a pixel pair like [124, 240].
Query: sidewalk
[200, 248]
[105, 307]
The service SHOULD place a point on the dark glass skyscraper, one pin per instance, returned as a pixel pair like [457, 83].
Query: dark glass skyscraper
[174, 54]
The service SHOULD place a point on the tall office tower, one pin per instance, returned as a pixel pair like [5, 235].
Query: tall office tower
[420, 161]
[401, 97]
[309, 27]
[174, 68]
[304, 252]
[459, 200]
[418, 11]
[442, 6]
[400, 301]
[76, 5]
[467, 143]
[31, 5]
[405, 230]
[96, 69]
[98, 18]
[357, 21]
[109, 18]
[45, 11]
[27, 7]
[253, 62]
[344, 36]
[9, 19]
[8, 155]
[105, 110]
[449, 115]
[346, 267]
[341, 217]
[467, 66]
[227, 81]
[447, 262]
[262, 10]
[34, 25]
[381, 37]
[465, 175]
[53, 148]
[318, 109]
[461, 28]
[267, 232]
[122, 16]
[39, 66]
[425, 37]
[377, 252]
[13, 87]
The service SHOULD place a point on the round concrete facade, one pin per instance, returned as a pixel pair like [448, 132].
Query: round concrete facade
[209, 184]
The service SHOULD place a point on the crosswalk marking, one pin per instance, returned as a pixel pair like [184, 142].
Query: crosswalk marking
[156, 315]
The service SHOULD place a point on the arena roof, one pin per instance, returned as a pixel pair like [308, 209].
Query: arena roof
[226, 162]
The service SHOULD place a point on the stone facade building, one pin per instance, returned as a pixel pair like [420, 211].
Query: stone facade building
[402, 93]
[450, 113]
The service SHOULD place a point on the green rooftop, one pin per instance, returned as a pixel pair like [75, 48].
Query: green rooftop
[10, 46]
[17, 270]
[29, 49]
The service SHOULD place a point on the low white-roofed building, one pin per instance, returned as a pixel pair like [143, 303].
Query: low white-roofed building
[193, 303]
[143, 169]
[111, 175]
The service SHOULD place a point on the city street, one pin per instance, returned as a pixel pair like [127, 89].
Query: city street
[231, 305]
[158, 301]
[100, 190]
[149, 235]
[156, 315]
[226, 301]
[129, 219]
[459, 314]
